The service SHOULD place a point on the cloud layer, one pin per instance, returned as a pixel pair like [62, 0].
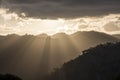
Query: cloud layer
[62, 8]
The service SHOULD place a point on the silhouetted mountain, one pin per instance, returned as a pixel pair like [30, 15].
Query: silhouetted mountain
[60, 35]
[33, 56]
[9, 77]
[42, 35]
[99, 63]
[117, 36]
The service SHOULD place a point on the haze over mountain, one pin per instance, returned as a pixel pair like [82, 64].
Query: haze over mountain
[32, 56]
[117, 36]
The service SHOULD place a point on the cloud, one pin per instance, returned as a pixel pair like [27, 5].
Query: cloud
[62, 8]
[83, 26]
[111, 27]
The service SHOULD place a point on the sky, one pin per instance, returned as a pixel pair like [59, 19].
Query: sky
[53, 16]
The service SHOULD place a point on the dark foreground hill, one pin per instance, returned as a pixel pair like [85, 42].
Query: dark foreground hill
[33, 56]
[99, 63]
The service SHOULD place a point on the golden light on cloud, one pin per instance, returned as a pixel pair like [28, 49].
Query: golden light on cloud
[12, 23]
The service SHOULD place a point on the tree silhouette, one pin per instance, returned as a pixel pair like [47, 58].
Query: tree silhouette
[9, 77]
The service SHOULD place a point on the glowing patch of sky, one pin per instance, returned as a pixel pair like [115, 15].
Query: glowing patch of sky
[12, 23]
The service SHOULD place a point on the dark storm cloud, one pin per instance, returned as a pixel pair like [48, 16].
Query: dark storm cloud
[62, 8]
